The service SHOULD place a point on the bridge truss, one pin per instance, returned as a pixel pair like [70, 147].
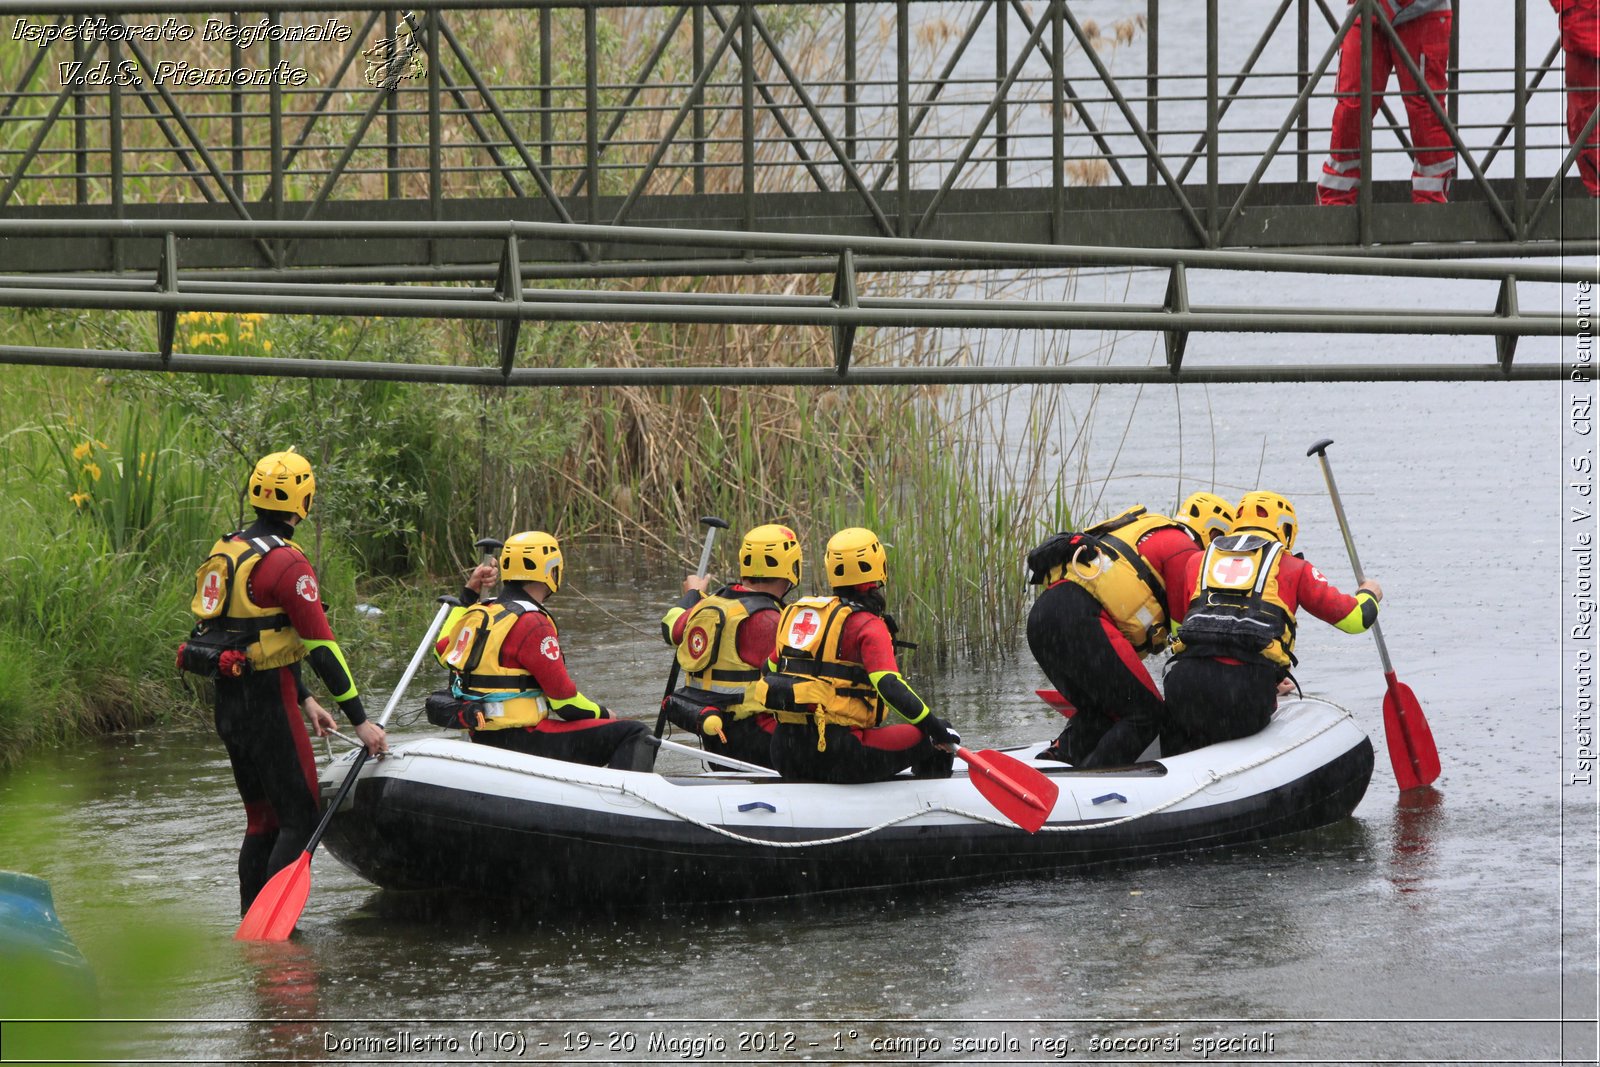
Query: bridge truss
[428, 167]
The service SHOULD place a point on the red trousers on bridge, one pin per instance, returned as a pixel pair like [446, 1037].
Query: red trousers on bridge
[1427, 40]
[1580, 40]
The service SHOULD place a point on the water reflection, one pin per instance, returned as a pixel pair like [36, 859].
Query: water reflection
[1418, 818]
[287, 985]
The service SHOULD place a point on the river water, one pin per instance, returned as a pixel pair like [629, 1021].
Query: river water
[1454, 926]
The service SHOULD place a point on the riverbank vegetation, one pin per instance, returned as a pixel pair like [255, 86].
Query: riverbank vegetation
[118, 483]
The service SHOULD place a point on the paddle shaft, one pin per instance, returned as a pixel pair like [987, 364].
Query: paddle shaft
[1350, 545]
[700, 753]
[712, 524]
[383, 720]
[705, 550]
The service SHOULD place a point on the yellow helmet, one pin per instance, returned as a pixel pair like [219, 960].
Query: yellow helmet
[770, 551]
[283, 482]
[1207, 514]
[855, 557]
[1268, 513]
[531, 556]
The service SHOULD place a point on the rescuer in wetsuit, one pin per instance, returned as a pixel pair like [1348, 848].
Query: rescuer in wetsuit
[260, 614]
[834, 674]
[723, 641]
[509, 674]
[1105, 607]
[1236, 642]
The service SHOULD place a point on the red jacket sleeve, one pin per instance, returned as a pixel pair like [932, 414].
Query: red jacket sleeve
[1299, 581]
[866, 640]
[533, 646]
[284, 579]
[1180, 584]
[757, 639]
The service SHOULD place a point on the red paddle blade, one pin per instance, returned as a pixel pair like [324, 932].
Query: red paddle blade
[1411, 749]
[278, 906]
[1019, 792]
[1054, 698]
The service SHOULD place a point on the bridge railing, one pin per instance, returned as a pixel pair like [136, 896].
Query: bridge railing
[172, 292]
[887, 119]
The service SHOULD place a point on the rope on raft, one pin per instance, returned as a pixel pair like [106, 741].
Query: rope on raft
[624, 789]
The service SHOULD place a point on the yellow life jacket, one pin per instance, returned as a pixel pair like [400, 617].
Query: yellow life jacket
[507, 696]
[225, 611]
[709, 651]
[812, 682]
[1237, 609]
[1124, 583]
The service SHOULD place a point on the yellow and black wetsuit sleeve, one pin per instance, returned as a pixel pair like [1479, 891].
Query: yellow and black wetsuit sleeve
[1362, 616]
[894, 689]
[674, 613]
[328, 661]
[578, 706]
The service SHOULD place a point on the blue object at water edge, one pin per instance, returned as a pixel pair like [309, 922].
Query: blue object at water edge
[42, 972]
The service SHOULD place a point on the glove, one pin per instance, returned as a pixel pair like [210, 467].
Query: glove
[938, 731]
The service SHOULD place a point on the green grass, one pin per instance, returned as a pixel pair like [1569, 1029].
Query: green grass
[105, 507]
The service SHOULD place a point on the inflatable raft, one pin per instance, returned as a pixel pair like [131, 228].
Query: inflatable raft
[442, 813]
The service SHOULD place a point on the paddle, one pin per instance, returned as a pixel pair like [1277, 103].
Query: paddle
[1054, 698]
[712, 525]
[1411, 749]
[1019, 792]
[700, 753]
[278, 906]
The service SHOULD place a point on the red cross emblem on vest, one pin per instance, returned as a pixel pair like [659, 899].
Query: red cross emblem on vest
[804, 625]
[211, 592]
[1233, 570]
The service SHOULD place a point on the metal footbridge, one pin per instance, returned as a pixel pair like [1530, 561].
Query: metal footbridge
[522, 161]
